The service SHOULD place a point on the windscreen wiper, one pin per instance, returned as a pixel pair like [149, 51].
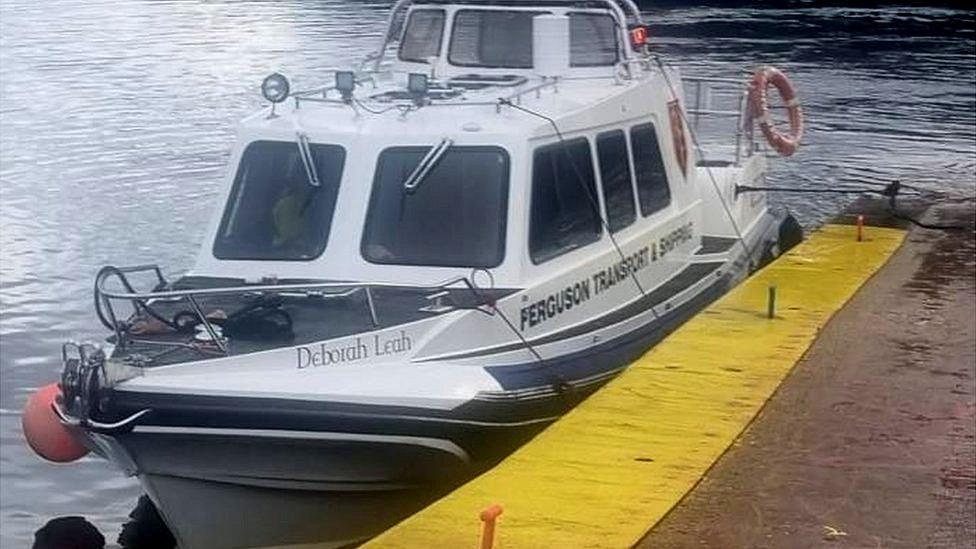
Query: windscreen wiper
[306, 154]
[427, 164]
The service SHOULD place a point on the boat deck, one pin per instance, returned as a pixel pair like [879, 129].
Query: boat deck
[617, 464]
[312, 316]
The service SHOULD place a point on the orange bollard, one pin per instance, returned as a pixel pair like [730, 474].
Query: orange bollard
[860, 228]
[489, 516]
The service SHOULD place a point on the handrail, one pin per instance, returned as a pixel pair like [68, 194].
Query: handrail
[143, 300]
[381, 51]
[700, 105]
[350, 287]
[354, 286]
[710, 80]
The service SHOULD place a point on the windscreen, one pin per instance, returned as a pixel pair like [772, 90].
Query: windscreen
[492, 38]
[422, 36]
[273, 211]
[503, 39]
[454, 217]
[593, 40]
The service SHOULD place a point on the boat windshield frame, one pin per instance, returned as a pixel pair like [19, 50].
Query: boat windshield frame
[625, 12]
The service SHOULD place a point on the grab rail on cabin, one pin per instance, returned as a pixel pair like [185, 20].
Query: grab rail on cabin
[459, 101]
[626, 12]
[143, 301]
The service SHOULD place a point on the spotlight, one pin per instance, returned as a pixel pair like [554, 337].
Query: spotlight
[275, 88]
[418, 85]
[345, 82]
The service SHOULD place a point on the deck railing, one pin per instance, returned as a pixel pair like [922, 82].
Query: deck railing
[724, 100]
[142, 302]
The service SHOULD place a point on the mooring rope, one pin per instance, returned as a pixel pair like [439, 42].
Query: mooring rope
[891, 190]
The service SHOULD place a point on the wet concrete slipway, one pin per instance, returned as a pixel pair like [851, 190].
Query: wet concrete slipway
[870, 440]
[116, 118]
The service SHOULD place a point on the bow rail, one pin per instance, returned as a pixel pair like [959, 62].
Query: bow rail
[142, 301]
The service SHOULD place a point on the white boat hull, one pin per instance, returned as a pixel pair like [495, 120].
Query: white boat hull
[219, 488]
[224, 515]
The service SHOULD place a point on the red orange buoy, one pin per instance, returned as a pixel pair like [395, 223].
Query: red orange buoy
[46, 435]
[785, 144]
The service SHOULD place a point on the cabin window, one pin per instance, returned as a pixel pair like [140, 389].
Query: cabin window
[273, 211]
[652, 178]
[503, 39]
[422, 36]
[565, 213]
[492, 38]
[618, 189]
[454, 217]
[593, 40]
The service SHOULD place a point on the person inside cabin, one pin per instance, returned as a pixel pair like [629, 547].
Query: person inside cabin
[273, 211]
[288, 212]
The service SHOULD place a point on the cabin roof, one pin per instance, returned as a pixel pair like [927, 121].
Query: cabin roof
[469, 96]
[471, 111]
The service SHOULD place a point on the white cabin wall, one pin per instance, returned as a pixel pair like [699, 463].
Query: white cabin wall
[205, 253]
[745, 208]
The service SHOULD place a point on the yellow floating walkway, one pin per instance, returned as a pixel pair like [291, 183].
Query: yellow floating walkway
[609, 470]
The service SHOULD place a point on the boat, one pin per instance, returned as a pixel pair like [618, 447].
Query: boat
[417, 267]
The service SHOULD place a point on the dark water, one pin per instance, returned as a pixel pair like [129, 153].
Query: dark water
[117, 118]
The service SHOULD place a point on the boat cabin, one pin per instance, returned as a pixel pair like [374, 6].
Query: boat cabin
[514, 139]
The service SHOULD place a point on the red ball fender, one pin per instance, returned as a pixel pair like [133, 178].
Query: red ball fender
[759, 109]
[46, 435]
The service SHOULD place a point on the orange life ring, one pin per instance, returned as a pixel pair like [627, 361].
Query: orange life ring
[759, 109]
